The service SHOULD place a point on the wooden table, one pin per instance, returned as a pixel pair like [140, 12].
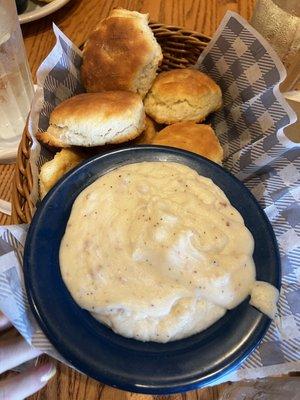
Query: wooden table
[77, 19]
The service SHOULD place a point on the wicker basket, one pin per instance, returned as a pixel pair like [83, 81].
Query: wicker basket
[181, 48]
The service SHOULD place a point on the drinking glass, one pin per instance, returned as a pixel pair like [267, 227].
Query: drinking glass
[16, 87]
[279, 22]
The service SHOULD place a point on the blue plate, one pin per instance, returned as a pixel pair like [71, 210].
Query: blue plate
[125, 363]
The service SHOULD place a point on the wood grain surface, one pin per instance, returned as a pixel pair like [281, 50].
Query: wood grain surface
[77, 19]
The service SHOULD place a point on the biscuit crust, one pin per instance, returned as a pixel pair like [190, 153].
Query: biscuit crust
[198, 138]
[121, 54]
[54, 169]
[149, 133]
[182, 95]
[94, 119]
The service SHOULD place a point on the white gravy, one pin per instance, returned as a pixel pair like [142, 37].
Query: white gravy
[156, 252]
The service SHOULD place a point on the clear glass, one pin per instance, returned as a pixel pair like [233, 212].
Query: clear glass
[279, 22]
[16, 87]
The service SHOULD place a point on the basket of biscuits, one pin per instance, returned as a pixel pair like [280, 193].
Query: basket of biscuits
[153, 249]
[138, 87]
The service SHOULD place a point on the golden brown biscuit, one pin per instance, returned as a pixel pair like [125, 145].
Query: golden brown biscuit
[54, 169]
[198, 138]
[121, 54]
[182, 95]
[95, 119]
[148, 135]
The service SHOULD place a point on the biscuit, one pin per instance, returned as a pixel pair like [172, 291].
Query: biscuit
[121, 54]
[182, 95]
[54, 169]
[95, 119]
[148, 135]
[198, 138]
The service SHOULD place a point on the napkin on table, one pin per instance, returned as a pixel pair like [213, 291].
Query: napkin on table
[250, 128]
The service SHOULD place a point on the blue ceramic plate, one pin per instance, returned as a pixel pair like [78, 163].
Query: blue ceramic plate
[125, 363]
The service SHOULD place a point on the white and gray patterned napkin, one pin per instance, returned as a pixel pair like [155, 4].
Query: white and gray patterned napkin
[250, 128]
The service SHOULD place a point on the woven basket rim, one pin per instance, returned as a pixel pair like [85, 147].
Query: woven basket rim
[155, 24]
[22, 205]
